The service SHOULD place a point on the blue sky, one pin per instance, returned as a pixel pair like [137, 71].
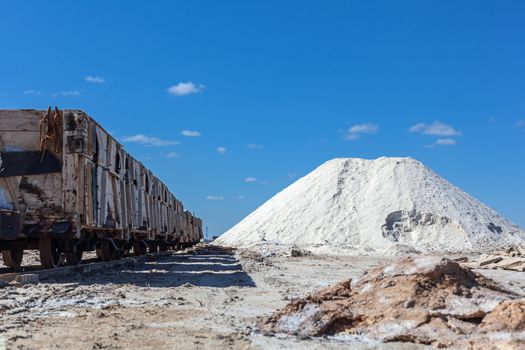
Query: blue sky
[231, 101]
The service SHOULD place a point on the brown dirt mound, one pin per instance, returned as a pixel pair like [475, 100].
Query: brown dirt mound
[425, 300]
[507, 316]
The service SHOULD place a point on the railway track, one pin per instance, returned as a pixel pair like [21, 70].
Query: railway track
[34, 274]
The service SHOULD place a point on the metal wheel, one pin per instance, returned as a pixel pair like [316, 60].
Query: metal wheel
[138, 248]
[106, 250]
[13, 258]
[116, 254]
[49, 253]
[74, 257]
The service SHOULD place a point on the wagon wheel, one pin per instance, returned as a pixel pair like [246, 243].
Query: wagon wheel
[153, 247]
[138, 248]
[13, 258]
[49, 253]
[74, 257]
[105, 250]
[116, 254]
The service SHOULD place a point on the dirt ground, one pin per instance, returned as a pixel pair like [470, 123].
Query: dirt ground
[208, 300]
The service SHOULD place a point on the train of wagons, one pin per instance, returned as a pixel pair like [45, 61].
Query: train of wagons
[68, 187]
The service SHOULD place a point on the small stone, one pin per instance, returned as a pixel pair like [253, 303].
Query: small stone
[409, 304]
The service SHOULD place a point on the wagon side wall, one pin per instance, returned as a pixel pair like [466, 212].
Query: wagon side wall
[107, 188]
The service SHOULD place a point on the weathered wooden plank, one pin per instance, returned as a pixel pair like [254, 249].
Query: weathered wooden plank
[103, 203]
[491, 260]
[69, 170]
[134, 195]
[102, 138]
[91, 144]
[9, 193]
[19, 141]
[88, 188]
[158, 214]
[20, 120]
[121, 194]
[115, 189]
[140, 205]
[98, 203]
[81, 190]
[111, 155]
[108, 209]
[40, 192]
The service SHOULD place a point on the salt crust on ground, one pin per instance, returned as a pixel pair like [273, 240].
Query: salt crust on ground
[385, 206]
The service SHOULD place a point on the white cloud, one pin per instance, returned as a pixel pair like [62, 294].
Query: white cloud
[437, 128]
[250, 179]
[172, 155]
[520, 124]
[221, 150]
[445, 142]
[254, 146]
[95, 79]
[187, 88]
[70, 93]
[190, 133]
[32, 92]
[149, 140]
[215, 198]
[240, 197]
[355, 131]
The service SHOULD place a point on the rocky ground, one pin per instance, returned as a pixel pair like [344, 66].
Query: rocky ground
[416, 299]
[208, 300]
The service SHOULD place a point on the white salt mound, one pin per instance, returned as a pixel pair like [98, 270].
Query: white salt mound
[382, 206]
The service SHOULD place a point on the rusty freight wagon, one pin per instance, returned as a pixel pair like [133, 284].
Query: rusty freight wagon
[67, 186]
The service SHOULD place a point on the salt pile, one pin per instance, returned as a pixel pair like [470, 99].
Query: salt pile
[387, 205]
